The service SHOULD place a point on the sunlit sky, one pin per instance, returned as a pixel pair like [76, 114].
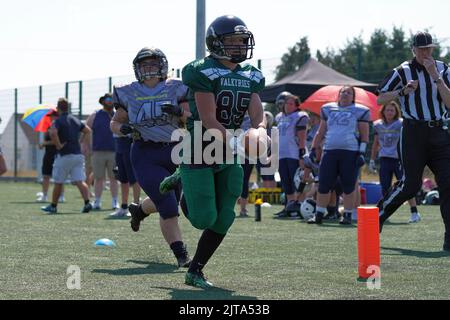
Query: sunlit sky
[51, 41]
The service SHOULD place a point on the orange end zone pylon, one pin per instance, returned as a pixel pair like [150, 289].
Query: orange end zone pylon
[368, 242]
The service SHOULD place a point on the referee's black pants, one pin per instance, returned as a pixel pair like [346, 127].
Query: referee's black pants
[421, 145]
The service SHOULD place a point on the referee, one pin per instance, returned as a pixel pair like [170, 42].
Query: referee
[422, 86]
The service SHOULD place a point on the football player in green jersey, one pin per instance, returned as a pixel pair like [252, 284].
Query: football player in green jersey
[221, 92]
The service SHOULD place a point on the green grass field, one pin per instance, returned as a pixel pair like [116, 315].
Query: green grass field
[272, 259]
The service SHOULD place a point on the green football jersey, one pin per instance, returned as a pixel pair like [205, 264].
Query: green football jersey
[232, 89]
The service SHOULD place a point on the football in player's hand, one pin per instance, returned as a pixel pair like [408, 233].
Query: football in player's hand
[256, 143]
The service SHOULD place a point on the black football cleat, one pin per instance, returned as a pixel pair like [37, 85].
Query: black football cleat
[86, 208]
[346, 219]
[136, 216]
[184, 261]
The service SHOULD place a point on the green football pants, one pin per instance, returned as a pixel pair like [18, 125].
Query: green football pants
[211, 194]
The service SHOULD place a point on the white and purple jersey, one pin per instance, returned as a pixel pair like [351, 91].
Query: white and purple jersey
[143, 105]
[388, 137]
[288, 125]
[342, 125]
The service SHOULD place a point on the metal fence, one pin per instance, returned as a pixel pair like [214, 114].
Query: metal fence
[22, 155]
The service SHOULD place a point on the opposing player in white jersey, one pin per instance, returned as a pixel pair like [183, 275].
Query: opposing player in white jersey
[345, 126]
[387, 135]
[292, 127]
[150, 109]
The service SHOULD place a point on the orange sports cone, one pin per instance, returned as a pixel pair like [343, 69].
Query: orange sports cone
[368, 241]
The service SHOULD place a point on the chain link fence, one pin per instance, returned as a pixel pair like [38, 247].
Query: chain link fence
[20, 144]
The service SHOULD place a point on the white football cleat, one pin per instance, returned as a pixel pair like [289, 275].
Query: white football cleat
[41, 197]
[415, 217]
[120, 213]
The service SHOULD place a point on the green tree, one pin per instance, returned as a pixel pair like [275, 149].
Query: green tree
[372, 61]
[293, 59]
[369, 62]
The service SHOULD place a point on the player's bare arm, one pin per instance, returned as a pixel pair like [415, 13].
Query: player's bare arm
[319, 135]
[363, 128]
[301, 138]
[256, 112]
[120, 117]
[55, 139]
[186, 112]
[85, 135]
[375, 148]
[90, 120]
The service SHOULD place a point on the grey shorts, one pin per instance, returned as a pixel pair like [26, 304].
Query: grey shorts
[70, 164]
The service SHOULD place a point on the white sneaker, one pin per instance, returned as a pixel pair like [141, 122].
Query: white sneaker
[120, 213]
[415, 217]
[62, 199]
[41, 197]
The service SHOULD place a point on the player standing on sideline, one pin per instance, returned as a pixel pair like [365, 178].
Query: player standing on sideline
[387, 134]
[150, 109]
[343, 152]
[292, 126]
[279, 102]
[221, 91]
[422, 85]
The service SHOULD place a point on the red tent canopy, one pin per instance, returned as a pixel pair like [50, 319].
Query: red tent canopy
[330, 94]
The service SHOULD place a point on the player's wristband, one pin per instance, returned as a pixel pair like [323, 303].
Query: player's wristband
[362, 147]
[301, 153]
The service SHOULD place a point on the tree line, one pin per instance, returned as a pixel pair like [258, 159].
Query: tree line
[369, 62]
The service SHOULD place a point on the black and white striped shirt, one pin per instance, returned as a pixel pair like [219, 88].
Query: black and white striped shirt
[425, 103]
